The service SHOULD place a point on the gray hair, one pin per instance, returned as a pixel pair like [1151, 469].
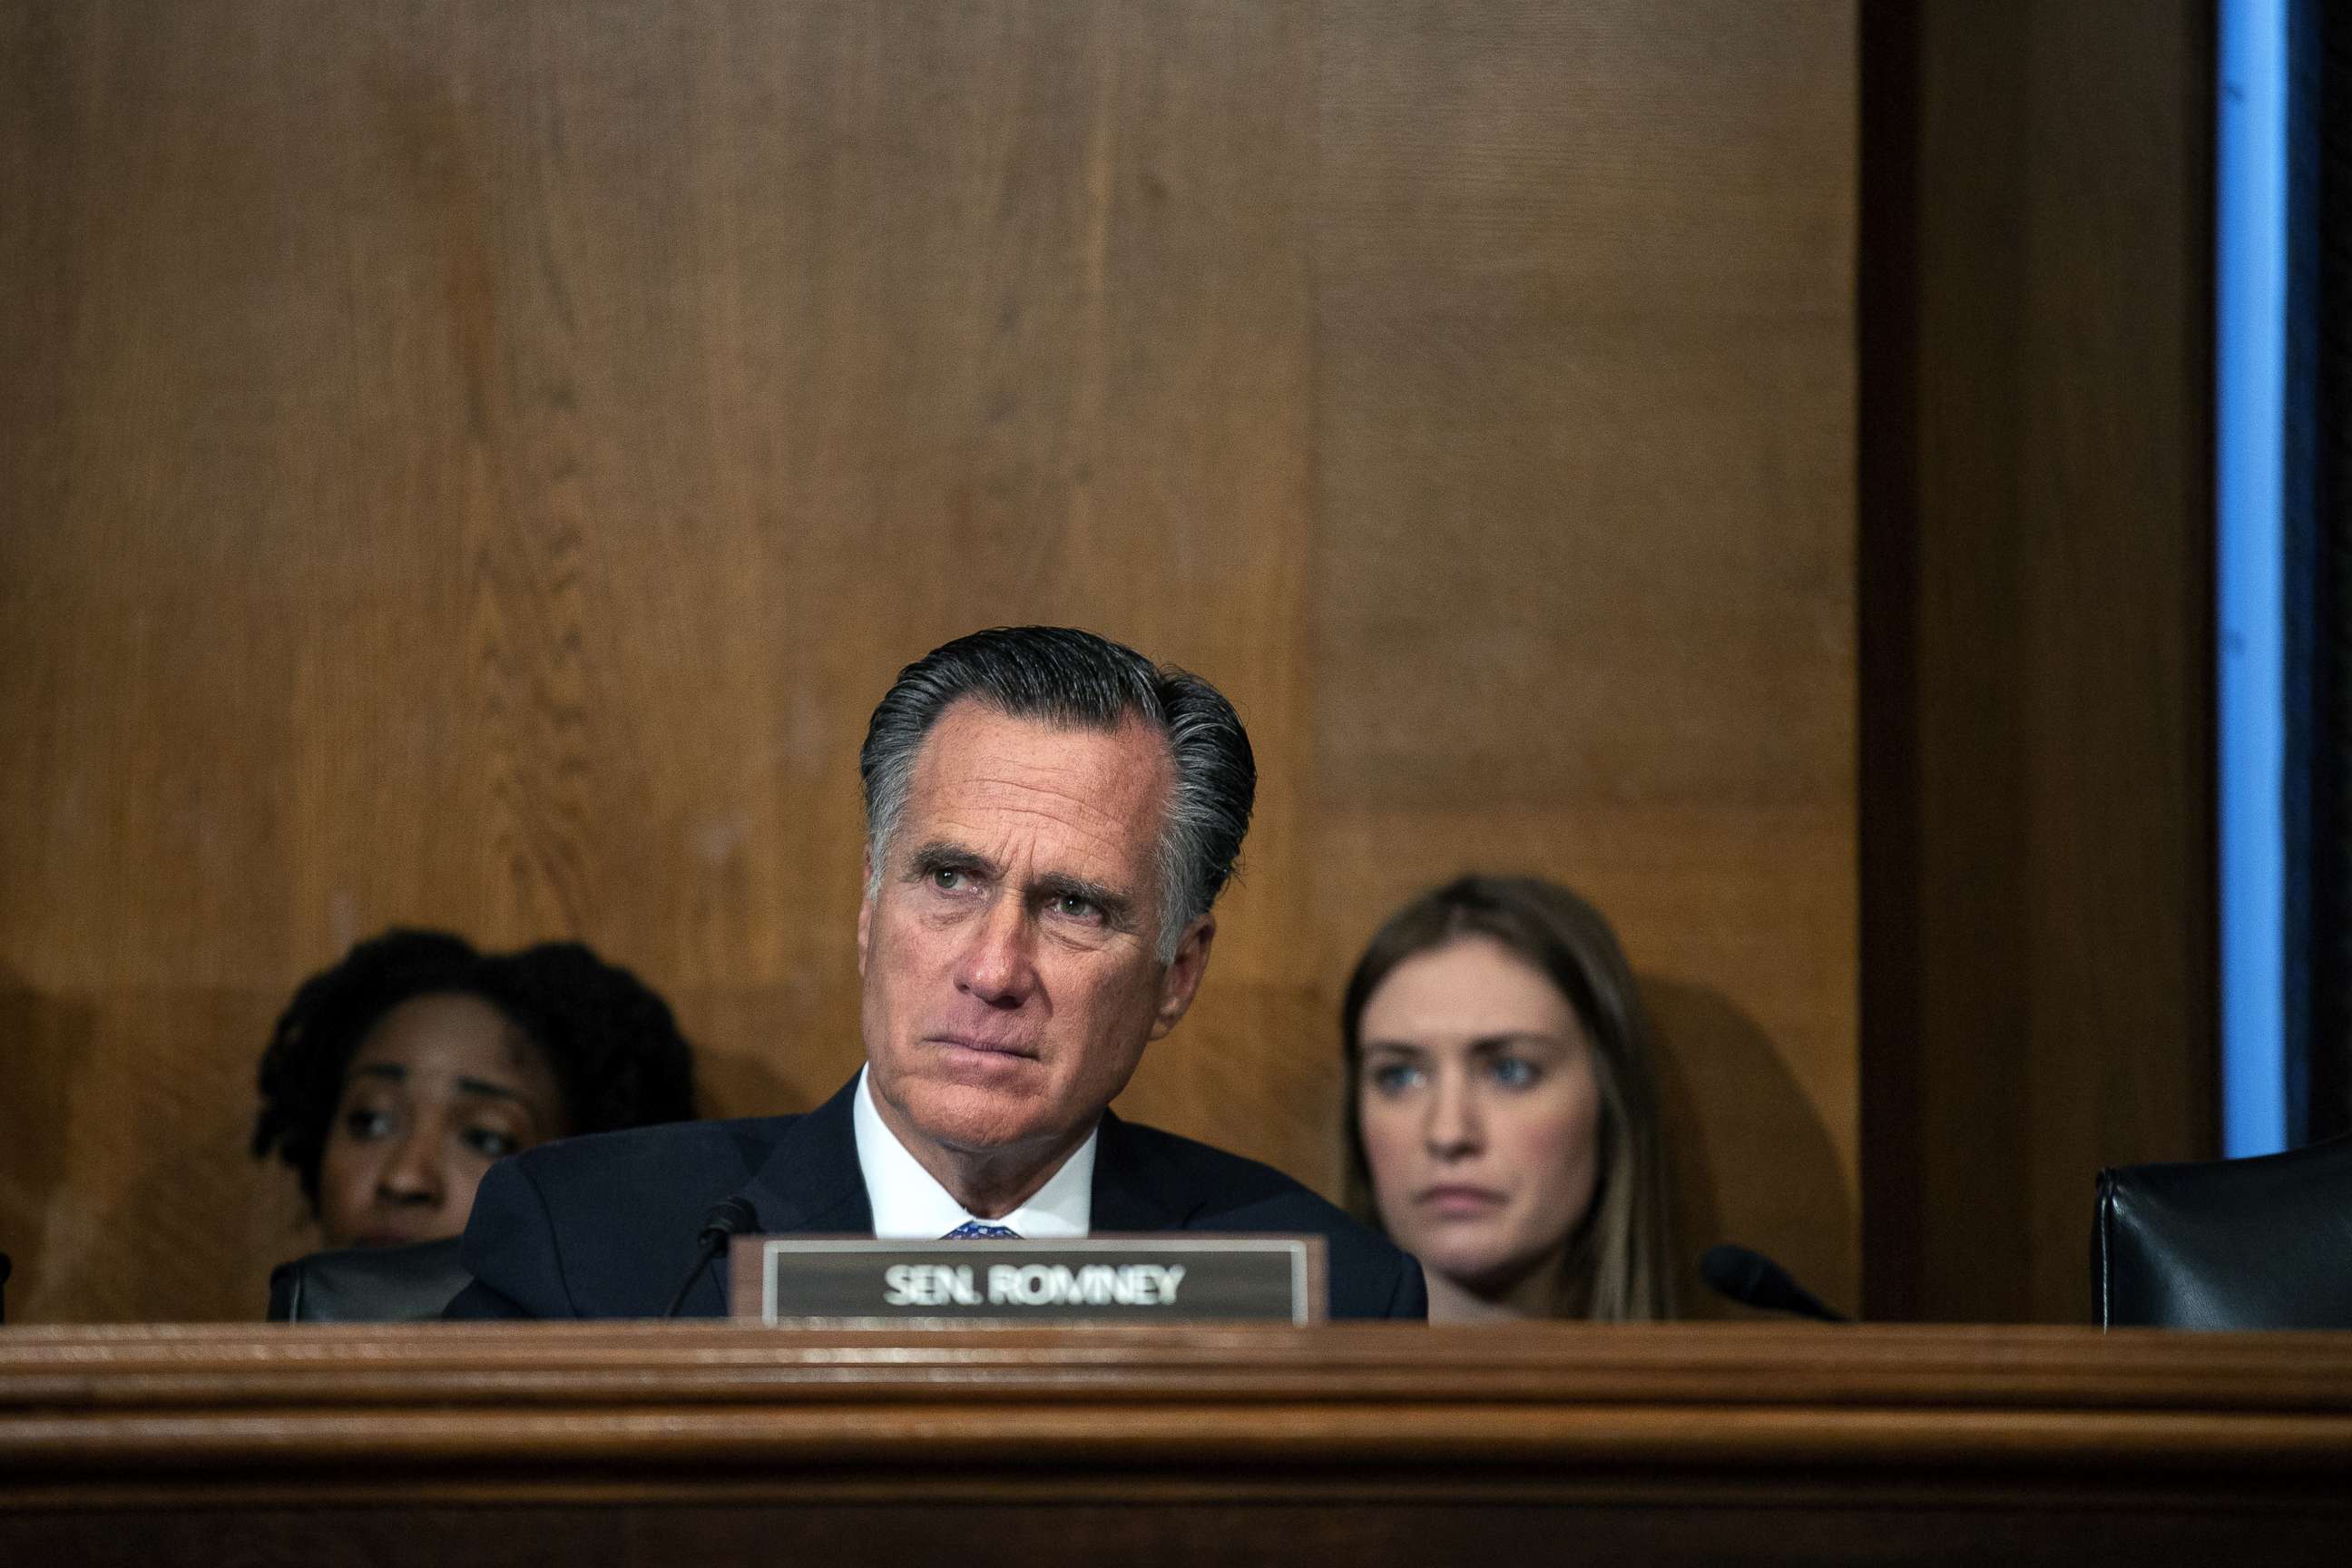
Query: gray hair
[1078, 680]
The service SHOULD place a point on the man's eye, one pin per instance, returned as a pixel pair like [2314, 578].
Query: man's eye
[1071, 906]
[947, 878]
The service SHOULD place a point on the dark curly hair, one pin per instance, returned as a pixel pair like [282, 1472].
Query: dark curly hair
[614, 1048]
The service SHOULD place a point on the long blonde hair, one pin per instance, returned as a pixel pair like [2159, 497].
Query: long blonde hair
[1618, 1262]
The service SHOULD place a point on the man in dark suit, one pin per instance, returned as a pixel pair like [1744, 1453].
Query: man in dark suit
[1050, 818]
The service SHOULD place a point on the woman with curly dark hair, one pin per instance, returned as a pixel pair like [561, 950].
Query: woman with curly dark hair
[393, 1078]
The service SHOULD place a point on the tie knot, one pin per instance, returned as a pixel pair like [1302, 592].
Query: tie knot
[980, 1230]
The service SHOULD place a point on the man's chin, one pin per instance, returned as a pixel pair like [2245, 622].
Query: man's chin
[977, 1119]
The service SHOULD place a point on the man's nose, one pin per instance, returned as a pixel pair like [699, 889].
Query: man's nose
[412, 1174]
[1454, 1129]
[996, 965]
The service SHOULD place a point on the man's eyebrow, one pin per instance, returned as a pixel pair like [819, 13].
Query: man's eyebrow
[1115, 906]
[928, 859]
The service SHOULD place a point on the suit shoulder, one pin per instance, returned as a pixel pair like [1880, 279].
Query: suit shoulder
[603, 1226]
[1369, 1276]
[605, 1189]
[1223, 1190]
[667, 1148]
[1204, 1171]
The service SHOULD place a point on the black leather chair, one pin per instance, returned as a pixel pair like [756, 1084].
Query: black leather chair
[368, 1284]
[2265, 1243]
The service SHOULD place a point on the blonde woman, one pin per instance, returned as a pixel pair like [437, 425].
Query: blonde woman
[1503, 1122]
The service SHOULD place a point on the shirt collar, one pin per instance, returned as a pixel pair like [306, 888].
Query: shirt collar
[910, 1205]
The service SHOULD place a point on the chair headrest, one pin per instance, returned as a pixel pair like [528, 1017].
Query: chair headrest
[2262, 1243]
[368, 1284]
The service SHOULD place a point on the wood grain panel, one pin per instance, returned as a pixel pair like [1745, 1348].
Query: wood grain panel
[2039, 803]
[1587, 453]
[1387, 1442]
[478, 466]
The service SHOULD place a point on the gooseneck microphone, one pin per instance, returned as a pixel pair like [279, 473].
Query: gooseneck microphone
[728, 1218]
[1752, 1279]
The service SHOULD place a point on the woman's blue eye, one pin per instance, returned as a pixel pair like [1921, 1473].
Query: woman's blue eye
[1514, 1072]
[1395, 1078]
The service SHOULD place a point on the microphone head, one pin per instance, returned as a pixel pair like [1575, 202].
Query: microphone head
[1752, 1279]
[1735, 1271]
[729, 1216]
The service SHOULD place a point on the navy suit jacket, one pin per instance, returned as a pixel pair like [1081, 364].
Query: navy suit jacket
[606, 1227]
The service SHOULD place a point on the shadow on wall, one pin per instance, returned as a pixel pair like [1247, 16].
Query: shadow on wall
[126, 1191]
[767, 1051]
[1752, 1161]
[41, 1038]
[126, 1195]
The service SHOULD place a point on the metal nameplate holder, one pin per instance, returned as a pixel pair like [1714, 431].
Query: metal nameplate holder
[1160, 1278]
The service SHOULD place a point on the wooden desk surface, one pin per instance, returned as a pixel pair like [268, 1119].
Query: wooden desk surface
[456, 1444]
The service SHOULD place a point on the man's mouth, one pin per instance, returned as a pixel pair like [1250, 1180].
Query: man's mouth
[984, 1045]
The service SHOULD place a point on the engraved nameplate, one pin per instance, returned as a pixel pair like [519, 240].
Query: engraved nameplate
[1202, 1278]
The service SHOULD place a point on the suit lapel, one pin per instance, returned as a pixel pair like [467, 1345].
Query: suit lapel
[1131, 1193]
[812, 1182]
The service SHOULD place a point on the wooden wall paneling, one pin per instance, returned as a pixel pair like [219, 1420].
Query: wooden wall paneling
[479, 467]
[2121, 722]
[1587, 536]
[2037, 818]
[656, 387]
[1888, 394]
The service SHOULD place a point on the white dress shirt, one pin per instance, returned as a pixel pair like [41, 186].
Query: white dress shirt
[910, 1205]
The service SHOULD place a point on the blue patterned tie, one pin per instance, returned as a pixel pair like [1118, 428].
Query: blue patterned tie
[980, 1230]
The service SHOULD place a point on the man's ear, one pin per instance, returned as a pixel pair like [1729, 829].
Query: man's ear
[1181, 981]
[864, 907]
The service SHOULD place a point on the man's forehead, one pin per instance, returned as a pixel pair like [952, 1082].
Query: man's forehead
[978, 757]
[971, 732]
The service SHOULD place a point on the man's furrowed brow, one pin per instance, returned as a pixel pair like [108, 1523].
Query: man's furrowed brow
[1117, 909]
[937, 856]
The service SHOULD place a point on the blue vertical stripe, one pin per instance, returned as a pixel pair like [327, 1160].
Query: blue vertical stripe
[2251, 288]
